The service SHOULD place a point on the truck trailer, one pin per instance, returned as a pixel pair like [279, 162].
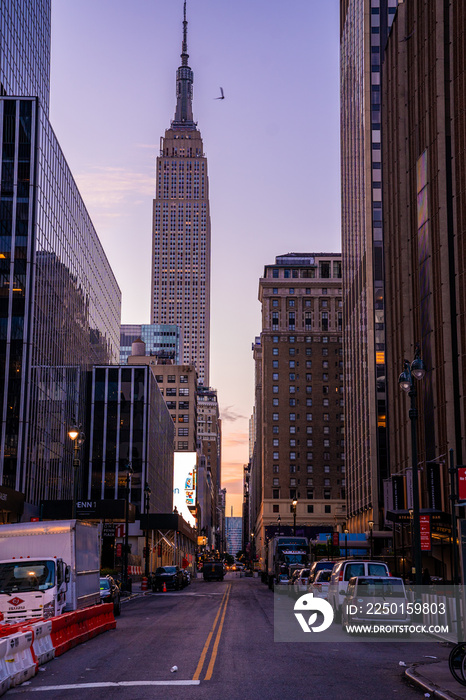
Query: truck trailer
[47, 568]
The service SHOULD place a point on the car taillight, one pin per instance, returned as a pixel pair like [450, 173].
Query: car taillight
[390, 573]
[340, 578]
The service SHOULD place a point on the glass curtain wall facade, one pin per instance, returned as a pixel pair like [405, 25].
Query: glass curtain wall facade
[25, 36]
[181, 229]
[162, 340]
[130, 423]
[363, 33]
[59, 305]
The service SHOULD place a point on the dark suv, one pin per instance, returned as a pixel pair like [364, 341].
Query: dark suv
[171, 576]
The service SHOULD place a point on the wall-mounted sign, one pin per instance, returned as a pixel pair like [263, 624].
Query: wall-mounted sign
[426, 544]
[462, 483]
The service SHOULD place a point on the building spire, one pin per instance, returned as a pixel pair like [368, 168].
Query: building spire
[184, 84]
[184, 45]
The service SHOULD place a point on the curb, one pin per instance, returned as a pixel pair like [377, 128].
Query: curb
[432, 688]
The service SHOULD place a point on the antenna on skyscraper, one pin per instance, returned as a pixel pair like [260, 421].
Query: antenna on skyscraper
[184, 46]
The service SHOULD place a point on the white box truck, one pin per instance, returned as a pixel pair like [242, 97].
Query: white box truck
[47, 568]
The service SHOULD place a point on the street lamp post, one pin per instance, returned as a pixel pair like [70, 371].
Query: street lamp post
[346, 543]
[371, 528]
[294, 505]
[279, 522]
[129, 471]
[416, 369]
[147, 493]
[77, 437]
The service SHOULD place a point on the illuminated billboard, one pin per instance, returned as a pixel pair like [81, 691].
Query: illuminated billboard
[184, 484]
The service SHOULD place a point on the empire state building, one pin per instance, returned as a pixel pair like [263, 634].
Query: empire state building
[181, 228]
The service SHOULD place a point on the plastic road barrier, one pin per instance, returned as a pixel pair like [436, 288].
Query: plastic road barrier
[4, 672]
[20, 663]
[27, 645]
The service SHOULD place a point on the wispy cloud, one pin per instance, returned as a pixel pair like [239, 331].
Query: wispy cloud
[106, 188]
[235, 440]
[228, 414]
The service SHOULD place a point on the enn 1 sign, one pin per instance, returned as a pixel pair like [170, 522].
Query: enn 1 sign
[462, 484]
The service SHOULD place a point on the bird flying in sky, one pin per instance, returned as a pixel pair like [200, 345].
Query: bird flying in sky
[222, 96]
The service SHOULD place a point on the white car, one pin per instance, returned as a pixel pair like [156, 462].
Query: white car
[375, 599]
[319, 587]
[341, 574]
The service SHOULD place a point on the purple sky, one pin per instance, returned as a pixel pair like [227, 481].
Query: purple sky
[272, 148]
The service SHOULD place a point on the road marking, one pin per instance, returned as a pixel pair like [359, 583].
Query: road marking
[210, 668]
[79, 686]
[198, 670]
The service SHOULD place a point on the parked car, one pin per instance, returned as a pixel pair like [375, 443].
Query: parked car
[320, 585]
[301, 580]
[375, 599]
[320, 566]
[171, 576]
[110, 593]
[346, 569]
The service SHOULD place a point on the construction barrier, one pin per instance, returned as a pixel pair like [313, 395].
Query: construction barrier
[30, 644]
[134, 570]
[20, 663]
[42, 646]
[4, 672]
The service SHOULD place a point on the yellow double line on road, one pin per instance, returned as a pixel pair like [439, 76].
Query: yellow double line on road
[213, 656]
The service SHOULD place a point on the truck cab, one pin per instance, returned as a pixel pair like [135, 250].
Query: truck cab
[32, 588]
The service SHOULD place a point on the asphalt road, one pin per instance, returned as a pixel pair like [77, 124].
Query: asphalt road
[221, 638]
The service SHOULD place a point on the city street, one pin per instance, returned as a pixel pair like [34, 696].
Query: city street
[220, 636]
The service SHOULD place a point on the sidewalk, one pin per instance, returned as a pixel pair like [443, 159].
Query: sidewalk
[435, 678]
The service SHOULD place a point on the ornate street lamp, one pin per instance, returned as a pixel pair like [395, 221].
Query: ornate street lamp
[77, 436]
[279, 523]
[346, 543]
[416, 369]
[294, 505]
[147, 493]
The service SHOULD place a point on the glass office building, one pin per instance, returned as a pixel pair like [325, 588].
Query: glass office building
[162, 340]
[234, 535]
[25, 49]
[59, 305]
[130, 423]
[59, 300]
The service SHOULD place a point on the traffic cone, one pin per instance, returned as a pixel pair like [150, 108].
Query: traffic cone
[164, 590]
